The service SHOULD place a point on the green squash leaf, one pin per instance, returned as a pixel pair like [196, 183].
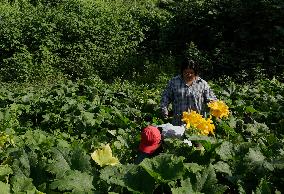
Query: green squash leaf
[5, 170]
[4, 188]
[225, 151]
[131, 176]
[207, 182]
[74, 181]
[264, 187]
[22, 184]
[222, 167]
[59, 165]
[164, 167]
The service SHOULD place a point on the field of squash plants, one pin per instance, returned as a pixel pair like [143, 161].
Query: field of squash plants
[50, 138]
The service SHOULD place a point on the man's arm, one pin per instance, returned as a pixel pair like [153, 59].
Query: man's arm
[209, 94]
[166, 100]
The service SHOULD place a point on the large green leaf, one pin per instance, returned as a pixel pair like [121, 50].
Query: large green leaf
[4, 188]
[5, 170]
[193, 167]
[225, 151]
[201, 138]
[59, 164]
[206, 179]
[279, 162]
[186, 188]
[21, 166]
[22, 184]
[24, 164]
[88, 118]
[222, 167]
[206, 182]
[201, 181]
[74, 181]
[254, 156]
[133, 177]
[264, 187]
[137, 179]
[114, 175]
[80, 160]
[164, 167]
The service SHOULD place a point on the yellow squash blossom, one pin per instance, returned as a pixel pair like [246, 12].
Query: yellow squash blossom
[206, 127]
[218, 109]
[103, 157]
[193, 119]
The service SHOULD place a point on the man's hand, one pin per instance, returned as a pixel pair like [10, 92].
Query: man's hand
[164, 113]
[165, 116]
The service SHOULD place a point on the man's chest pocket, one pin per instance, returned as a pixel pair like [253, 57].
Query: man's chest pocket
[179, 93]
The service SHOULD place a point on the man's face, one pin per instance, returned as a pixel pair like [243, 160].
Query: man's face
[188, 73]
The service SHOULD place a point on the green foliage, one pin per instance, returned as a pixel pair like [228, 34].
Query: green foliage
[43, 39]
[4, 188]
[74, 38]
[5, 170]
[22, 184]
[49, 133]
[225, 151]
[233, 37]
[201, 182]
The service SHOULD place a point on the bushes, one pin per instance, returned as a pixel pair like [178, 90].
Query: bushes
[76, 38]
[235, 35]
[79, 38]
[21, 33]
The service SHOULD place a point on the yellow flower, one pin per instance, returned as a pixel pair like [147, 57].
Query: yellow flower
[103, 157]
[218, 109]
[206, 127]
[191, 118]
[195, 120]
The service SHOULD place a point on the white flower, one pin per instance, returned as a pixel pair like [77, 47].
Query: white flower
[188, 142]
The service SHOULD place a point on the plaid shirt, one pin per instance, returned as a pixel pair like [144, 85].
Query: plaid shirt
[184, 97]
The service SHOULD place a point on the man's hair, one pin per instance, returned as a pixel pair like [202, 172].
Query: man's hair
[189, 64]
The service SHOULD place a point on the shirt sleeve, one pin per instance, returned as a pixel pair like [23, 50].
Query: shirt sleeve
[209, 94]
[167, 97]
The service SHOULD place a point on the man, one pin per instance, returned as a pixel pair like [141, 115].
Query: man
[186, 91]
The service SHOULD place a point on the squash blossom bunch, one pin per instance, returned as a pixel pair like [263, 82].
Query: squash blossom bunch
[193, 119]
[218, 109]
